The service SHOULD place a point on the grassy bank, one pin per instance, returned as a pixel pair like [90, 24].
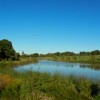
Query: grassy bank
[94, 60]
[22, 61]
[43, 86]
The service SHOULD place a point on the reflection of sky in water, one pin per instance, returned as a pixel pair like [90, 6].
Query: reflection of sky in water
[62, 68]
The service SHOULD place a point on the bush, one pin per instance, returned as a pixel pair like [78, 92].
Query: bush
[95, 89]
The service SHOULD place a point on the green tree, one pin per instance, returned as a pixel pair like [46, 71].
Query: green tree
[35, 55]
[17, 56]
[6, 50]
[57, 54]
[95, 52]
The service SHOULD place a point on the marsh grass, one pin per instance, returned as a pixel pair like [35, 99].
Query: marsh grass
[43, 86]
[22, 61]
[94, 60]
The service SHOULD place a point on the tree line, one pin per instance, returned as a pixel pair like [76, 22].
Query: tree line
[7, 52]
[67, 53]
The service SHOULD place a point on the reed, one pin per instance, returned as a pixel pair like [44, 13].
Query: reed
[22, 61]
[40, 86]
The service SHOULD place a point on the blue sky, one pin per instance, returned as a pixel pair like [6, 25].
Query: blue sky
[51, 25]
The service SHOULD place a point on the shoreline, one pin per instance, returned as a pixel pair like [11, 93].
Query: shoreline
[94, 64]
[22, 61]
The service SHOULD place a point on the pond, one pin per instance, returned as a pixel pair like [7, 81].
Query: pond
[62, 68]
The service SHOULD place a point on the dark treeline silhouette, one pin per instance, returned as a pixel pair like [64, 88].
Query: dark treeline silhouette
[95, 52]
[67, 53]
[35, 55]
[7, 51]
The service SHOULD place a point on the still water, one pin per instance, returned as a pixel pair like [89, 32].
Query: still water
[62, 68]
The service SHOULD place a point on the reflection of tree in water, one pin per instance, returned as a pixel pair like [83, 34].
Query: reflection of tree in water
[66, 64]
[85, 66]
[95, 67]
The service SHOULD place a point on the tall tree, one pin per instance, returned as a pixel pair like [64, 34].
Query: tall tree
[6, 49]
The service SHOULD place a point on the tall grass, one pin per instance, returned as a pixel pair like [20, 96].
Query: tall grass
[43, 86]
[94, 60]
[76, 58]
[22, 61]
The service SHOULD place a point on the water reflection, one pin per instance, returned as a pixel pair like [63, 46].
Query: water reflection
[62, 68]
[95, 67]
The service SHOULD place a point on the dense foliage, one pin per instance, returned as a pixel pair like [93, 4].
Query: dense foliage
[34, 55]
[62, 54]
[43, 86]
[68, 53]
[7, 51]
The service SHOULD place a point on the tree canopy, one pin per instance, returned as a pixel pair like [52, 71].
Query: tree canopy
[6, 50]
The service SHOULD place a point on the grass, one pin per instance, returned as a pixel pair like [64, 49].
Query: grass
[22, 61]
[43, 86]
[94, 60]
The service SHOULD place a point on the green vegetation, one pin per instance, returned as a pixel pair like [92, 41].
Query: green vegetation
[6, 50]
[43, 86]
[9, 57]
[34, 55]
[92, 57]
[7, 53]
[14, 63]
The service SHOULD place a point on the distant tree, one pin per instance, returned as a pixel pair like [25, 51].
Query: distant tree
[57, 53]
[42, 55]
[95, 52]
[17, 56]
[88, 53]
[34, 55]
[6, 50]
[23, 53]
[67, 53]
[49, 55]
[84, 53]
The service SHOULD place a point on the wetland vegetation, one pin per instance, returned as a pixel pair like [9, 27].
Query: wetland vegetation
[44, 86]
